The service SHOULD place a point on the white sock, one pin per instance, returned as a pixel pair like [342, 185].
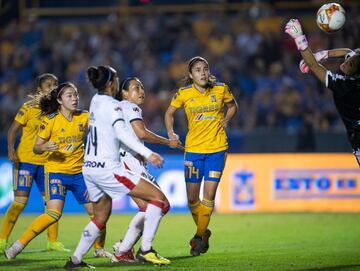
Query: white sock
[153, 215]
[88, 237]
[133, 233]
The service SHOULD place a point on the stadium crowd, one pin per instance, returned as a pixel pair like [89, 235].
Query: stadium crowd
[248, 50]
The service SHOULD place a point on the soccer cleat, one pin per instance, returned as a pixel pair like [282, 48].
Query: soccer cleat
[3, 244]
[205, 241]
[57, 246]
[151, 256]
[127, 257]
[195, 245]
[13, 250]
[70, 265]
[102, 253]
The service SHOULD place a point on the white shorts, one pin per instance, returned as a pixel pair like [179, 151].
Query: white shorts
[135, 166]
[115, 183]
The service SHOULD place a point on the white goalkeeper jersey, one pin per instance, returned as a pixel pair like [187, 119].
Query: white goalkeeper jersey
[106, 130]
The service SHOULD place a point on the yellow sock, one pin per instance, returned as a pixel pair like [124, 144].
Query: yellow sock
[39, 225]
[53, 229]
[100, 241]
[206, 209]
[53, 232]
[194, 209]
[12, 215]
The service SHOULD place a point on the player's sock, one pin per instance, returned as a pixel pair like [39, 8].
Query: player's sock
[153, 215]
[133, 233]
[39, 225]
[88, 237]
[11, 216]
[207, 207]
[53, 229]
[100, 240]
[53, 232]
[194, 209]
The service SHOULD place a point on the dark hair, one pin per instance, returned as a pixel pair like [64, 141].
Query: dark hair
[100, 76]
[48, 102]
[45, 76]
[186, 80]
[125, 85]
[356, 58]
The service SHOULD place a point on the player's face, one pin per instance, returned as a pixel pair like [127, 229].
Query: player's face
[200, 74]
[69, 99]
[47, 85]
[349, 66]
[136, 92]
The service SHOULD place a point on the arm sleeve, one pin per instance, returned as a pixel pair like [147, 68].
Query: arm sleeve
[123, 134]
[22, 115]
[177, 100]
[338, 83]
[45, 128]
[134, 113]
[228, 97]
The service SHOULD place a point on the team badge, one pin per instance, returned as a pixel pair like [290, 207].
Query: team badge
[213, 98]
[81, 127]
[53, 190]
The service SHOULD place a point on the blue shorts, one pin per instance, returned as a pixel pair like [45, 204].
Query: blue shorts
[25, 173]
[207, 165]
[57, 185]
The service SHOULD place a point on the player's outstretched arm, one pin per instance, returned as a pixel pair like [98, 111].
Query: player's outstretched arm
[293, 28]
[144, 134]
[126, 138]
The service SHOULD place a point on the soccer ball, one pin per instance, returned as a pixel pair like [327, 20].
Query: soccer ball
[330, 17]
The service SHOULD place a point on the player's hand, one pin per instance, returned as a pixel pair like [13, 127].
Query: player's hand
[224, 122]
[156, 160]
[50, 146]
[175, 144]
[293, 28]
[12, 155]
[304, 68]
[173, 136]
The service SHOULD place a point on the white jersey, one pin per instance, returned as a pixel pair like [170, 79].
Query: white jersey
[106, 128]
[130, 159]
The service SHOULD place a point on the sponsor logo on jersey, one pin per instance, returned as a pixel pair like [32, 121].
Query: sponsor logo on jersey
[24, 172]
[199, 117]
[55, 181]
[136, 109]
[71, 139]
[94, 164]
[118, 108]
[204, 108]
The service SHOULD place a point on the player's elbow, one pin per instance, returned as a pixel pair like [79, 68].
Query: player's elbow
[142, 135]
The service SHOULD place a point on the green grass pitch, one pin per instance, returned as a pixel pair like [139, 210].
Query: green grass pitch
[304, 241]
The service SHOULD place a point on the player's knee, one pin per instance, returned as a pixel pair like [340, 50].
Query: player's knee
[54, 214]
[193, 199]
[166, 207]
[20, 202]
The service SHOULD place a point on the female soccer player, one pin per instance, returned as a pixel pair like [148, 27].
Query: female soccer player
[345, 87]
[106, 177]
[131, 95]
[28, 167]
[325, 54]
[206, 144]
[61, 133]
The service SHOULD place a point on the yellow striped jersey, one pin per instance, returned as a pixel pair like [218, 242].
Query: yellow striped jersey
[69, 135]
[204, 112]
[30, 119]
